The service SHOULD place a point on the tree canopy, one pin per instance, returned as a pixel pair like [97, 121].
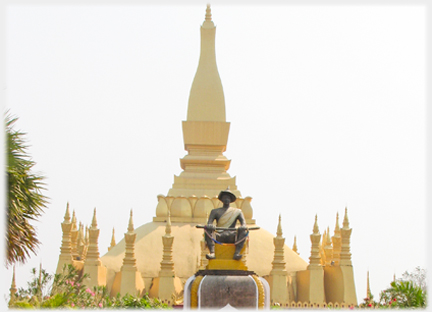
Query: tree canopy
[25, 199]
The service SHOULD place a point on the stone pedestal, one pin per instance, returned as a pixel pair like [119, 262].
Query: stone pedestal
[226, 282]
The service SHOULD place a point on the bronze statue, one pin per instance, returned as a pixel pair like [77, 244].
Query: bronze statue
[226, 217]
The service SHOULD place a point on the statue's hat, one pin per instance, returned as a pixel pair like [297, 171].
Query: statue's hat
[227, 192]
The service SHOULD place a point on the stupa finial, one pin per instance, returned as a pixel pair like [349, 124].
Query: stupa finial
[206, 97]
[208, 16]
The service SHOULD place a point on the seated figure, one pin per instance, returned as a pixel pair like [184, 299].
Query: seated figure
[226, 217]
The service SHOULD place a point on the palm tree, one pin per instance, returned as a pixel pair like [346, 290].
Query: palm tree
[25, 200]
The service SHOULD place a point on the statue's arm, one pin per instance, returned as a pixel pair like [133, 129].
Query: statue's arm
[211, 218]
[241, 219]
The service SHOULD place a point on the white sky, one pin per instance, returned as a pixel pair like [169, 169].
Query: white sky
[326, 103]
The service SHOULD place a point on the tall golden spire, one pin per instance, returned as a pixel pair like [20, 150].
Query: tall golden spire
[206, 99]
[74, 236]
[337, 241]
[128, 280]
[368, 291]
[129, 260]
[321, 247]
[345, 254]
[93, 256]
[278, 274]
[80, 241]
[93, 265]
[167, 263]
[66, 248]
[328, 249]
[278, 263]
[205, 135]
[315, 259]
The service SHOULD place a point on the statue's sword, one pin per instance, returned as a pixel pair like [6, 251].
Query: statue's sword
[199, 226]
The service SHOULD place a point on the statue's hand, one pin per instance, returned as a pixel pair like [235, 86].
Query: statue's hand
[210, 227]
[242, 228]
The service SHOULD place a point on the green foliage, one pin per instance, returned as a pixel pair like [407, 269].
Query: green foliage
[25, 201]
[68, 290]
[407, 292]
[129, 301]
[403, 294]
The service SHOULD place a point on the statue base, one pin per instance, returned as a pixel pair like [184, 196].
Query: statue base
[226, 282]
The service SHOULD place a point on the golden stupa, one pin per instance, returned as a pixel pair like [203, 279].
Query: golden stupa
[194, 192]
[158, 257]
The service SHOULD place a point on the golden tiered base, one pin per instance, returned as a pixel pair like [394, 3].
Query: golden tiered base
[224, 258]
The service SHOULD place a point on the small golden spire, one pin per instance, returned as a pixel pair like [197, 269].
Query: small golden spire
[73, 219]
[337, 227]
[345, 254]
[368, 291]
[328, 240]
[13, 288]
[315, 258]
[13, 285]
[345, 220]
[324, 238]
[80, 231]
[131, 225]
[113, 242]
[94, 221]
[315, 228]
[40, 276]
[295, 245]
[67, 214]
[279, 228]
